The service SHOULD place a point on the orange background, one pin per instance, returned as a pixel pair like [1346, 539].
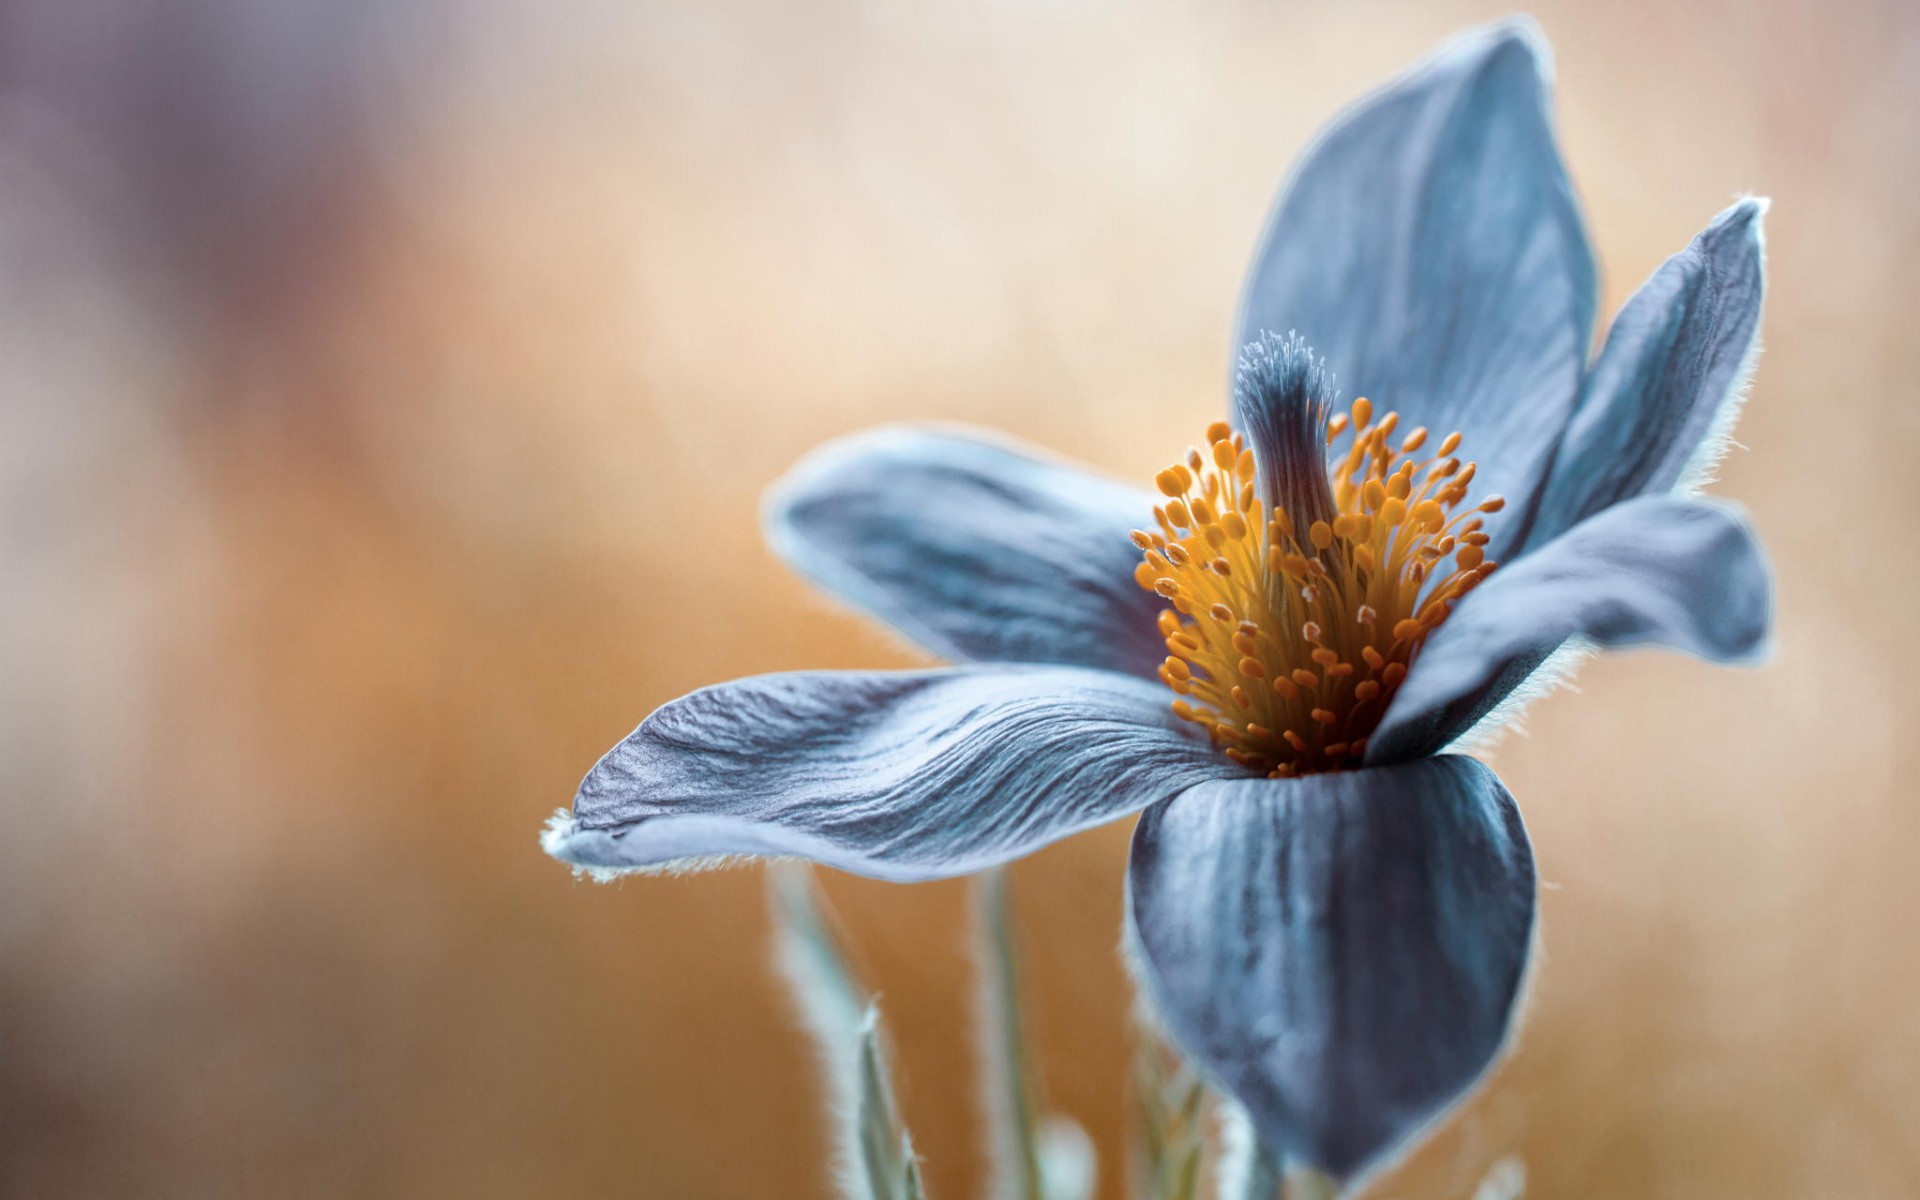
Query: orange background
[388, 391]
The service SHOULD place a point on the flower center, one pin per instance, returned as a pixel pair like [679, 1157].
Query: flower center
[1287, 644]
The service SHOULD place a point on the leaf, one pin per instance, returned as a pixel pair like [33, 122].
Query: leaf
[1244, 1169]
[874, 1153]
[1032, 1157]
[1170, 1133]
[886, 1150]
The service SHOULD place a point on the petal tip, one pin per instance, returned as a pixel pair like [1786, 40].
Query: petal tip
[808, 480]
[601, 856]
[1744, 217]
[1516, 38]
[1746, 589]
[589, 852]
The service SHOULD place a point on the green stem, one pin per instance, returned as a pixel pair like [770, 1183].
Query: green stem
[1245, 1171]
[1010, 1091]
[877, 1159]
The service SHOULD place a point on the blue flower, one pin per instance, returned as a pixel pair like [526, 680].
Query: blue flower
[1268, 658]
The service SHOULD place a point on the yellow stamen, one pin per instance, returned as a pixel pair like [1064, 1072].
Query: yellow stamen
[1308, 632]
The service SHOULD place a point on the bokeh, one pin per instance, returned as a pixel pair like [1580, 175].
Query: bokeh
[386, 392]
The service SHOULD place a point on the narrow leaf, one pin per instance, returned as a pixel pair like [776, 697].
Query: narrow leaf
[1007, 1082]
[1169, 1132]
[1244, 1170]
[874, 1154]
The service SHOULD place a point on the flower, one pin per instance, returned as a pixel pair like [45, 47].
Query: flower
[1267, 660]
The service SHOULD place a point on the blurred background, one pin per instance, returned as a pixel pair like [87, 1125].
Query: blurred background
[386, 390]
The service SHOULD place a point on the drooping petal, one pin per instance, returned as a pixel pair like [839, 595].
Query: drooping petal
[1340, 952]
[1429, 245]
[1661, 570]
[1666, 386]
[974, 548]
[901, 775]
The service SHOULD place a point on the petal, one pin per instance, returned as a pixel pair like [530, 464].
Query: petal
[1429, 245]
[1660, 569]
[1665, 387]
[901, 775]
[975, 549]
[1340, 952]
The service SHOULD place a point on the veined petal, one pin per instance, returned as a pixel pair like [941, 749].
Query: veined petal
[1340, 952]
[1661, 570]
[1666, 387]
[902, 775]
[1430, 247]
[976, 549]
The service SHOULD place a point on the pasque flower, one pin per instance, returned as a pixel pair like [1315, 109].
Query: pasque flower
[1268, 654]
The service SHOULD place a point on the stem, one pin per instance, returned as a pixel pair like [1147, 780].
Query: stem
[1246, 1170]
[1008, 1077]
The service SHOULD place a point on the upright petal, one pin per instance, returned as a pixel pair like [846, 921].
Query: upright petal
[1659, 570]
[976, 549]
[1340, 952]
[1429, 245]
[1666, 387]
[901, 775]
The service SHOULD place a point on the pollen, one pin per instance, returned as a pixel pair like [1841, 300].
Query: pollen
[1287, 643]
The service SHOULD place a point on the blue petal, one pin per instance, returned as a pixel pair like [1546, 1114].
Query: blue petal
[901, 775]
[973, 548]
[1429, 245]
[1665, 388]
[1660, 569]
[1340, 952]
